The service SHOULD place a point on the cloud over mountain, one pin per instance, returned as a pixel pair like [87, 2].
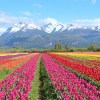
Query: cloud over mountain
[2, 30]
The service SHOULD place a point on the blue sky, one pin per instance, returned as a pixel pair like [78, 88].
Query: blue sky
[81, 12]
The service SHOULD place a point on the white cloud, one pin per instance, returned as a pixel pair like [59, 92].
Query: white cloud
[2, 13]
[6, 19]
[37, 5]
[50, 20]
[2, 30]
[9, 20]
[27, 13]
[88, 22]
[93, 1]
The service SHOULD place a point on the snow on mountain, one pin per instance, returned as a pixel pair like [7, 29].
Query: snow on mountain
[60, 27]
[30, 27]
[97, 28]
[23, 27]
[73, 27]
[15, 28]
[33, 26]
[48, 28]
[2, 30]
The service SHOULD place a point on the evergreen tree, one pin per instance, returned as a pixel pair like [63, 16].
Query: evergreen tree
[58, 46]
[66, 46]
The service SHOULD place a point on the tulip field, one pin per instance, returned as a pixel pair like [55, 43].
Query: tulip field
[50, 76]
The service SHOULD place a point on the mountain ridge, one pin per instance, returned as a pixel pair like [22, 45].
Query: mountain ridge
[50, 26]
[31, 35]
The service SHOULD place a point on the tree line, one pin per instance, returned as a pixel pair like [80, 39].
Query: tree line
[58, 47]
[92, 47]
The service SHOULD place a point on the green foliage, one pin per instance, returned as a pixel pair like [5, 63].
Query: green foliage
[4, 73]
[47, 91]
[16, 49]
[66, 47]
[73, 49]
[93, 47]
[58, 46]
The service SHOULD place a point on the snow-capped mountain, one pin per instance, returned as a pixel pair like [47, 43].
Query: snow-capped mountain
[73, 27]
[16, 27]
[31, 35]
[30, 27]
[97, 28]
[22, 27]
[49, 28]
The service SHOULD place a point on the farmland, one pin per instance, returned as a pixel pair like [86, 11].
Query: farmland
[50, 76]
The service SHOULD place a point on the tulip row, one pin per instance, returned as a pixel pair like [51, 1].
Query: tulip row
[83, 60]
[95, 64]
[77, 66]
[89, 63]
[5, 61]
[4, 54]
[82, 55]
[11, 56]
[17, 84]
[35, 85]
[11, 63]
[67, 84]
[89, 60]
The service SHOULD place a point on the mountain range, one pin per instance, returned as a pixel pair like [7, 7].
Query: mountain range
[34, 36]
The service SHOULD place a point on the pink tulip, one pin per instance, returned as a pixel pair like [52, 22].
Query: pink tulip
[20, 80]
[2, 94]
[63, 80]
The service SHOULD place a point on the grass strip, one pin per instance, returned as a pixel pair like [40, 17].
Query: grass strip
[47, 91]
[34, 93]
